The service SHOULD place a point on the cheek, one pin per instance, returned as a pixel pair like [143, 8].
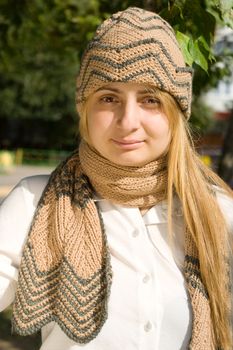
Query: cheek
[98, 123]
[159, 127]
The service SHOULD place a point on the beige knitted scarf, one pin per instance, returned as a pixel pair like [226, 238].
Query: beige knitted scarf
[65, 272]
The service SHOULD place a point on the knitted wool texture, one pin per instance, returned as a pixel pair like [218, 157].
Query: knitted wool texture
[65, 272]
[128, 186]
[135, 46]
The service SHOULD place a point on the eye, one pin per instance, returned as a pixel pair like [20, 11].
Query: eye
[109, 99]
[151, 100]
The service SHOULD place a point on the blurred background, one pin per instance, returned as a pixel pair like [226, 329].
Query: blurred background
[41, 43]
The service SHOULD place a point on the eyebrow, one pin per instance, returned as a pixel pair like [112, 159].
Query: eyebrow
[107, 88]
[140, 92]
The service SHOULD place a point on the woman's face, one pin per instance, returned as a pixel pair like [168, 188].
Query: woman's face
[126, 124]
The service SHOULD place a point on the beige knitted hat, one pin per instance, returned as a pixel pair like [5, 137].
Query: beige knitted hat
[135, 46]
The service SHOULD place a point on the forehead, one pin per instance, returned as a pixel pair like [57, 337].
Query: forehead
[120, 87]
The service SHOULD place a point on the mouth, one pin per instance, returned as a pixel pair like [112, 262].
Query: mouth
[128, 144]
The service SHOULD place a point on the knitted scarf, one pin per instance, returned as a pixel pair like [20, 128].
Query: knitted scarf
[65, 272]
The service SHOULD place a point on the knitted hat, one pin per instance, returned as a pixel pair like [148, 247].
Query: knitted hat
[135, 46]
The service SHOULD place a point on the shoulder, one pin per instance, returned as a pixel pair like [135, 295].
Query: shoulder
[26, 194]
[33, 185]
[16, 214]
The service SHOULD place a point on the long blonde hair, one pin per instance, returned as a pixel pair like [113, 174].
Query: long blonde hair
[194, 183]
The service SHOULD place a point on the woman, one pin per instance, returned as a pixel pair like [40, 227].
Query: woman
[128, 246]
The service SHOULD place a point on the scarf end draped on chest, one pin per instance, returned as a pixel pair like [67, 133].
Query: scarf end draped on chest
[65, 273]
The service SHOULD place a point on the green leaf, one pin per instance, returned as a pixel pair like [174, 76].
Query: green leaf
[198, 56]
[183, 41]
[202, 43]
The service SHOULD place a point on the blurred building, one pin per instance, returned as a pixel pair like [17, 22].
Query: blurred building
[220, 99]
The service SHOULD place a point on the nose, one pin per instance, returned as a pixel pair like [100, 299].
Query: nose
[129, 115]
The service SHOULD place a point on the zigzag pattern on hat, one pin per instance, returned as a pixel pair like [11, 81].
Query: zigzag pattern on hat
[132, 48]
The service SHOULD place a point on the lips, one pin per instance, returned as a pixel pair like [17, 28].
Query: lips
[128, 144]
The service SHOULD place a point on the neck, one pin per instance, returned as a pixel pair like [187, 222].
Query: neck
[139, 187]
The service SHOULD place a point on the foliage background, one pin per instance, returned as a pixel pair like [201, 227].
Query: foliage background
[41, 43]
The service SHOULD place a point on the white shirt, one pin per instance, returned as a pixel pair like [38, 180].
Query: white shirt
[149, 307]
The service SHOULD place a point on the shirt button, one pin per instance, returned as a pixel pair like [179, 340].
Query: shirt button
[147, 326]
[146, 279]
[164, 207]
[135, 233]
[179, 211]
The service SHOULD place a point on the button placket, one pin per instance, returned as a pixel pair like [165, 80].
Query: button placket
[142, 249]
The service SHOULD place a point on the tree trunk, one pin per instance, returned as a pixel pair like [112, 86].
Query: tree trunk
[225, 169]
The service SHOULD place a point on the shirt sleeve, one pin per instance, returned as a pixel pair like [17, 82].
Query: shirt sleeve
[16, 213]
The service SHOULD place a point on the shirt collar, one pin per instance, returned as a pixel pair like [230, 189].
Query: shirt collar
[155, 215]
